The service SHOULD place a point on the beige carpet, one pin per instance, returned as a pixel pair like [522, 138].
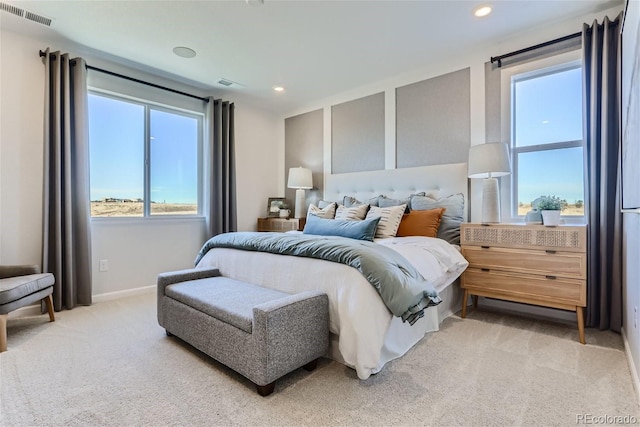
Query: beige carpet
[111, 364]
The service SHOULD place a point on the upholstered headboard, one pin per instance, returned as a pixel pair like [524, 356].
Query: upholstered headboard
[397, 183]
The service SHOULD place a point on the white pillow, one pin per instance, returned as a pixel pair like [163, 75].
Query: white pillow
[390, 218]
[327, 212]
[354, 213]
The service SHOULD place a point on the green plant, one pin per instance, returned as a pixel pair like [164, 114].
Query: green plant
[550, 203]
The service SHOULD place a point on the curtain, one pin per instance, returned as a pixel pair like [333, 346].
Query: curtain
[220, 200]
[601, 59]
[66, 248]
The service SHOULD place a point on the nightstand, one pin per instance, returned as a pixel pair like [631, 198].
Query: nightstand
[532, 264]
[281, 224]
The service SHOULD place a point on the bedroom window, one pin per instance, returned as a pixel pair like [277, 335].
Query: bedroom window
[144, 158]
[546, 137]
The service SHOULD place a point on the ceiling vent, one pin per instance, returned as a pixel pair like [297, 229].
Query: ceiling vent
[229, 83]
[40, 19]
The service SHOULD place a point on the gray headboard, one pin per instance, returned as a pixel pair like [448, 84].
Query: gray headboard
[397, 183]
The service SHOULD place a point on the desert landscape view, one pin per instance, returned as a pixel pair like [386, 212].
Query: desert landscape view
[110, 208]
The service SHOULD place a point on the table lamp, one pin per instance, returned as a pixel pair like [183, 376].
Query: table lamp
[300, 179]
[489, 161]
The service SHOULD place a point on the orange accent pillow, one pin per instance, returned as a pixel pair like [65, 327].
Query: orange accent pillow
[421, 223]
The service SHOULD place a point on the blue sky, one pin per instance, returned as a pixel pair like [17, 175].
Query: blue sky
[548, 110]
[117, 152]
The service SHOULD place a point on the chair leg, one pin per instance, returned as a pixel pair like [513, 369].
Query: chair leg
[49, 301]
[3, 332]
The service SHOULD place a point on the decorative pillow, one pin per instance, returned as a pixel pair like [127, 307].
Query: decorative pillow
[421, 223]
[349, 201]
[390, 218]
[355, 213]
[360, 230]
[323, 203]
[451, 219]
[328, 211]
[384, 201]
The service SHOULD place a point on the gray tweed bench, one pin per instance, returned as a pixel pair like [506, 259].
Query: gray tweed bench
[260, 333]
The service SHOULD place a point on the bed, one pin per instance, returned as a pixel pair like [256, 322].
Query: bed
[364, 333]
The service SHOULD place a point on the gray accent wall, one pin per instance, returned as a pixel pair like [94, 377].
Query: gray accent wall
[303, 146]
[357, 135]
[433, 120]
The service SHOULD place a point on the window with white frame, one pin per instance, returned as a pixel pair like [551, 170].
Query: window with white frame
[145, 158]
[546, 136]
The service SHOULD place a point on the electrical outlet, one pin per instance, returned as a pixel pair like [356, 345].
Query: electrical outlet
[635, 316]
[104, 265]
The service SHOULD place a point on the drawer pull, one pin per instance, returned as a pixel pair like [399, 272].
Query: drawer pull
[550, 251]
[551, 277]
[485, 269]
[485, 247]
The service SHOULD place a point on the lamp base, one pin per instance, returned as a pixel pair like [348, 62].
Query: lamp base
[300, 203]
[490, 201]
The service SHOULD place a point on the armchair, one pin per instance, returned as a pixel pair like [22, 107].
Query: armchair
[22, 285]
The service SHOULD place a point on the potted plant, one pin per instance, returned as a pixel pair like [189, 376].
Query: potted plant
[550, 206]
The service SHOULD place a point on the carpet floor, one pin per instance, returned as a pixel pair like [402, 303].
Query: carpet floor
[111, 364]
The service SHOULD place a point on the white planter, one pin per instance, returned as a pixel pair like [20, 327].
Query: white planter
[550, 218]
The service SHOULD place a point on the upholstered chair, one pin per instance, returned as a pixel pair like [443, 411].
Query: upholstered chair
[20, 286]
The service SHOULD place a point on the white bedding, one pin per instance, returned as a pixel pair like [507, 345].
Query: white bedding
[365, 335]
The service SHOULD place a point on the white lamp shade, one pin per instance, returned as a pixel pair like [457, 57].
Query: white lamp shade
[489, 160]
[300, 178]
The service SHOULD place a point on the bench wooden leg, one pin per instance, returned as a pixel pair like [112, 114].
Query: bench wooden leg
[311, 365]
[48, 300]
[3, 332]
[266, 390]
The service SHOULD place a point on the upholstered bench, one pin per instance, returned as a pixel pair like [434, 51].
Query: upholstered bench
[260, 333]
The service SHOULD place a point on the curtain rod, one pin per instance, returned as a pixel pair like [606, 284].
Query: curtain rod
[530, 48]
[111, 73]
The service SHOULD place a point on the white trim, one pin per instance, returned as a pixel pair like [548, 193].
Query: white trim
[109, 296]
[390, 129]
[34, 310]
[635, 379]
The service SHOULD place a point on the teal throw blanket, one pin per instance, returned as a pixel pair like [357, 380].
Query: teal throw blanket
[402, 288]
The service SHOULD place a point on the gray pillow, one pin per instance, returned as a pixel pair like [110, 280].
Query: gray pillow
[360, 230]
[323, 204]
[451, 219]
[385, 202]
[349, 201]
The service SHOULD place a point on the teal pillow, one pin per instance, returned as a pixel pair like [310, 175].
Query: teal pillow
[453, 215]
[359, 230]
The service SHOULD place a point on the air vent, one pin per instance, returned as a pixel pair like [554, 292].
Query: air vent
[229, 83]
[26, 14]
[11, 9]
[38, 18]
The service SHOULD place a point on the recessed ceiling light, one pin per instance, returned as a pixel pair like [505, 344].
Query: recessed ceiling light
[278, 88]
[481, 11]
[184, 52]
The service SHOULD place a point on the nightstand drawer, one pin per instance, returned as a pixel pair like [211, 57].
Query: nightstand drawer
[563, 264]
[542, 290]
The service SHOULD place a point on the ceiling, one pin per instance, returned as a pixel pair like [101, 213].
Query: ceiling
[313, 48]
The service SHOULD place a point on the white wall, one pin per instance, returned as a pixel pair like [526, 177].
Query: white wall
[137, 250]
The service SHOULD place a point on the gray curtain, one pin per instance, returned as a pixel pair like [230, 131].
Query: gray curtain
[220, 153]
[66, 248]
[601, 59]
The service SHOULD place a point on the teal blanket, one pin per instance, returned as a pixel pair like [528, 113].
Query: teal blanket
[402, 288]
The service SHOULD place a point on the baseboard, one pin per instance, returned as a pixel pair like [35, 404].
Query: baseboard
[532, 310]
[35, 309]
[122, 294]
[632, 366]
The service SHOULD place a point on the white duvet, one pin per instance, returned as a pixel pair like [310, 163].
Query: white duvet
[368, 335]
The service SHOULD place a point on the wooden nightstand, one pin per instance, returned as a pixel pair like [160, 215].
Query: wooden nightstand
[281, 224]
[532, 264]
